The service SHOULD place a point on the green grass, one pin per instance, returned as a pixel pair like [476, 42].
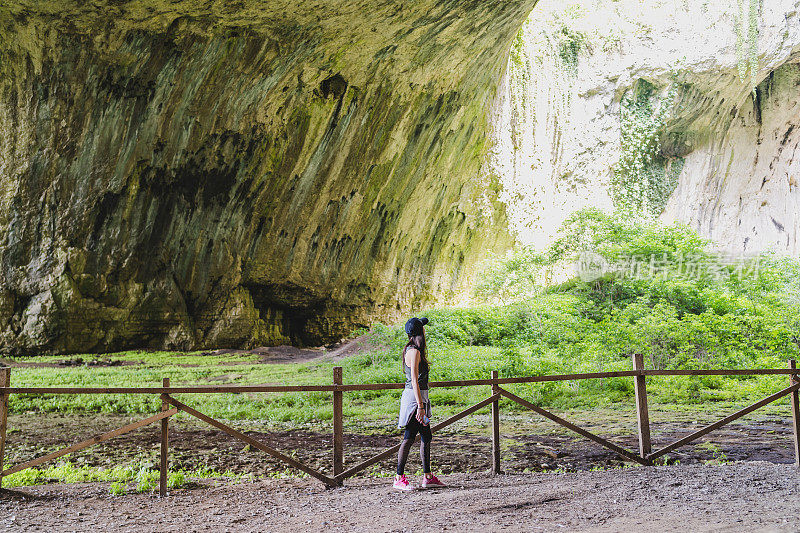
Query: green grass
[144, 477]
[368, 367]
[155, 366]
[379, 366]
[132, 477]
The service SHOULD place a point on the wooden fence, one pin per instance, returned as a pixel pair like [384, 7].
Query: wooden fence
[170, 406]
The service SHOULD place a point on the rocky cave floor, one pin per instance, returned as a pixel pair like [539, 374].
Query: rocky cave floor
[746, 496]
[744, 481]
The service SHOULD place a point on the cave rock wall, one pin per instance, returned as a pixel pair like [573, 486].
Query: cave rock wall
[187, 175]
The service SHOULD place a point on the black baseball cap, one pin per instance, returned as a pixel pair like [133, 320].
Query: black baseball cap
[414, 326]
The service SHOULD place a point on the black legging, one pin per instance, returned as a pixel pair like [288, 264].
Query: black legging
[412, 428]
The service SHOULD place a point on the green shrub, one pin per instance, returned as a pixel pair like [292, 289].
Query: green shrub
[176, 480]
[514, 364]
[146, 479]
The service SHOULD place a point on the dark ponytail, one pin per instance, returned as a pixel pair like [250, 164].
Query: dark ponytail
[418, 342]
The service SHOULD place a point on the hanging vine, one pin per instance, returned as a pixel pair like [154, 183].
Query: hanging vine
[519, 72]
[747, 15]
[552, 48]
[643, 179]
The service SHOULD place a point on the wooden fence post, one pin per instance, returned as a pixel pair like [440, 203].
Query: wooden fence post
[162, 485]
[641, 407]
[495, 427]
[5, 381]
[795, 414]
[338, 424]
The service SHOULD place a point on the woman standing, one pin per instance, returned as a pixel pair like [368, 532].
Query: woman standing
[415, 408]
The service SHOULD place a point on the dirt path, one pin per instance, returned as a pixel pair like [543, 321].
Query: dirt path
[754, 496]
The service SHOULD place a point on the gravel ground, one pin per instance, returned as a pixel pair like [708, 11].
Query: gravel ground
[744, 496]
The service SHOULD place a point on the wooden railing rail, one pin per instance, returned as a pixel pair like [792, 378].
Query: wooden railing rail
[170, 406]
[389, 386]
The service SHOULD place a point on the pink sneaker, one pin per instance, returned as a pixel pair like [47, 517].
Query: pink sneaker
[431, 482]
[401, 483]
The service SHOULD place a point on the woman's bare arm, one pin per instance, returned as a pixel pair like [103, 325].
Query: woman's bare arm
[412, 358]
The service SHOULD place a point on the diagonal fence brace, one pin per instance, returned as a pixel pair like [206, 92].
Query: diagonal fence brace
[393, 450]
[330, 482]
[569, 425]
[730, 418]
[90, 442]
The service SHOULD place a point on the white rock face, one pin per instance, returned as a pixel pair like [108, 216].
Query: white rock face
[741, 188]
[738, 185]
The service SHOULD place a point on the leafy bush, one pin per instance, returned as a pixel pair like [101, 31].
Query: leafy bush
[699, 310]
[146, 480]
[176, 480]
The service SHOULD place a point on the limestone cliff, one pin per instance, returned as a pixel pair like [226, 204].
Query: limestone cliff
[729, 155]
[192, 174]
